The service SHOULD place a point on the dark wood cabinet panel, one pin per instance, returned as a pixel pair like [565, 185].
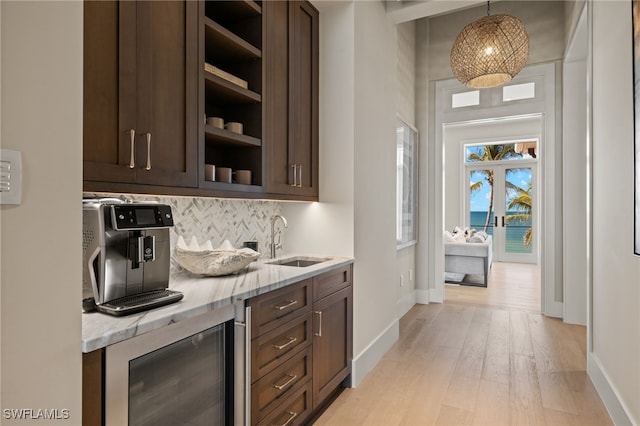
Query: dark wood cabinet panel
[145, 80]
[92, 388]
[276, 386]
[288, 339]
[332, 343]
[273, 309]
[295, 410]
[303, 69]
[105, 150]
[291, 97]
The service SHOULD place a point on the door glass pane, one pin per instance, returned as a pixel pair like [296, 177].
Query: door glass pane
[518, 208]
[481, 206]
[183, 383]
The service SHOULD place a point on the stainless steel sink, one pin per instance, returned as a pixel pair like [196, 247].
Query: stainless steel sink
[299, 262]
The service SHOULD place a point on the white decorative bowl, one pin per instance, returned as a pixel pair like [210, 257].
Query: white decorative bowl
[205, 260]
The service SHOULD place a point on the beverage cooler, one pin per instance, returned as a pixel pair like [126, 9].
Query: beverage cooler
[191, 372]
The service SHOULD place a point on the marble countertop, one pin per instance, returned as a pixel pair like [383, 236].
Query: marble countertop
[201, 294]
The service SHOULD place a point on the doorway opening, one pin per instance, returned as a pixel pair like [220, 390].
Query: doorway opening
[491, 186]
[500, 197]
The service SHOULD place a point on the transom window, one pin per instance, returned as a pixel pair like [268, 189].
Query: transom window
[519, 91]
[464, 99]
[509, 151]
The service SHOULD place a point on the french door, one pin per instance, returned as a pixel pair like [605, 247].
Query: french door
[501, 200]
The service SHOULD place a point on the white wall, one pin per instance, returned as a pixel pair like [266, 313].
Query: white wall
[405, 106]
[40, 272]
[327, 227]
[375, 167]
[356, 213]
[613, 363]
[574, 178]
[427, 204]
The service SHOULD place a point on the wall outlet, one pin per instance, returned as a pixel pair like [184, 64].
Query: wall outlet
[401, 280]
[411, 274]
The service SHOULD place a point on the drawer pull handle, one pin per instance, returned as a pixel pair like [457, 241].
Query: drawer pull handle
[148, 166]
[132, 156]
[295, 183]
[292, 415]
[319, 314]
[291, 378]
[291, 340]
[289, 304]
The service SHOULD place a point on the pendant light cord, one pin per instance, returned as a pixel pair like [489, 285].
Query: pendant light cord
[488, 7]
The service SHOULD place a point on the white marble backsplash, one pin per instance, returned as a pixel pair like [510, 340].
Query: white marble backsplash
[215, 219]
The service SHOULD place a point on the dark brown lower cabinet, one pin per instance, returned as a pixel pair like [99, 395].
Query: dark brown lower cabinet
[301, 347]
[332, 343]
[92, 388]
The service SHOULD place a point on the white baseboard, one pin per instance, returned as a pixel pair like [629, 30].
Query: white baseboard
[616, 408]
[369, 357]
[406, 303]
[554, 309]
[422, 297]
[436, 295]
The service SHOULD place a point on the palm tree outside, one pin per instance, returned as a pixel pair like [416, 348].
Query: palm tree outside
[495, 152]
[521, 204]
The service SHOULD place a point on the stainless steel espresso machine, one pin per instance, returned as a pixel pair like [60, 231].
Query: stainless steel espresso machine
[126, 256]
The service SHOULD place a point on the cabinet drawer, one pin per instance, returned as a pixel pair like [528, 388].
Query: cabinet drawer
[270, 349]
[277, 385]
[330, 282]
[293, 411]
[275, 308]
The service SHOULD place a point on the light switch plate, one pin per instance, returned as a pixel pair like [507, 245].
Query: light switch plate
[10, 176]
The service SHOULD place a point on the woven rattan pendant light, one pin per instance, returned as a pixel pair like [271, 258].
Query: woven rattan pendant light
[489, 52]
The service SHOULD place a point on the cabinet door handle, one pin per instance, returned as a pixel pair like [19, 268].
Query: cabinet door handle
[291, 341]
[292, 415]
[132, 156]
[289, 304]
[319, 314]
[148, 167]
[300, 175]
[295, 181]
[291, 378]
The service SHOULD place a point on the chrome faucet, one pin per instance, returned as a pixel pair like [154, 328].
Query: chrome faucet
[273, 244]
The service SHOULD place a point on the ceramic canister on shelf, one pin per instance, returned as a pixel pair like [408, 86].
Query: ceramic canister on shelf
[243, 177]
[234, 126]
[223, 174]
[209, 172]
[216, 122]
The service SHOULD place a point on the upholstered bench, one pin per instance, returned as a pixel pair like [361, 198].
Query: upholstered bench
[469, 258]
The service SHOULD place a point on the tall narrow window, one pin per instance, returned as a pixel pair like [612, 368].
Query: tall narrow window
[406, 184]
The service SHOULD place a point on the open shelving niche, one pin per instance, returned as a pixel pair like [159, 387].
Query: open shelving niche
[232, 33]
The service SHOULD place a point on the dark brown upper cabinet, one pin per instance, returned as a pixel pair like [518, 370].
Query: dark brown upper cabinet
[140, 95]
[231, 89]
[291, 98]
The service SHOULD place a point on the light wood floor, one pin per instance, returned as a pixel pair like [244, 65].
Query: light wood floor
[511, 286]
[464, 363]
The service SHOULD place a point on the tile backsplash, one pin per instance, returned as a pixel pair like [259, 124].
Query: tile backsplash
[216, 219]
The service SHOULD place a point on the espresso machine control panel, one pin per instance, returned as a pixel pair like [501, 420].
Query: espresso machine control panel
[128, 217]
